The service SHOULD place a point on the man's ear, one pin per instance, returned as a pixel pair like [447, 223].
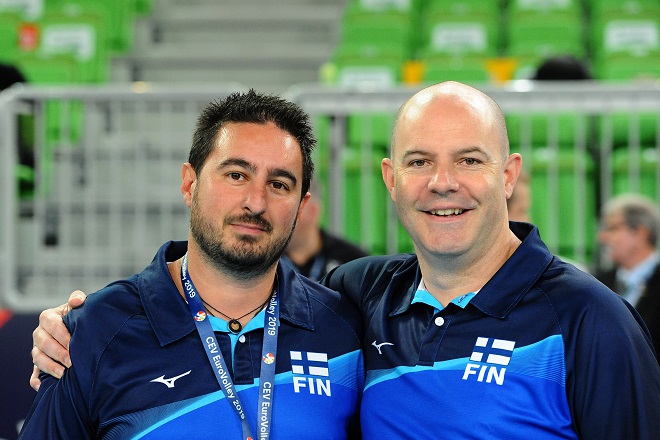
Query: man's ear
[188, 182]
[303, 205]
[387, 169]
[512, 168]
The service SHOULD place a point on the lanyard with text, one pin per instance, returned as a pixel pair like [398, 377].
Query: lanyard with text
[268, 352]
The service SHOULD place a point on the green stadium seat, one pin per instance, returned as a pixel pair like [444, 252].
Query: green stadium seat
[143, 7]
[117, 16]
[364, 57]
[451, 36]
[637, 37]
[376, 41]
[618, 8]
[356, 63]
[382, 5]
[530, 54]
[459, 37]
[626, 40]
[554, 207]
[81, 35]
[10, 23]
[544, 37]
[381, 32]
[627, 68]
[476, 9]
[354, 207]
[549, 9]
[374, 238]
[462, 68]
[373, 69]
[623, 128]
[26, 9]
[460, 27]
[370, 128]
[629, 28]
[540, 29]
[635, 171]
[564, 130]
[45, 69]
[544, 25]
[321, 125]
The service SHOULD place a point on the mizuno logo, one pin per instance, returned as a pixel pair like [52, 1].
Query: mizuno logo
[378, 346]
[489, 351]
[170, 382]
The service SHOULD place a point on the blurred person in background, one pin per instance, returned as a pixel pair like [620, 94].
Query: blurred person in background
[10, 75]
[562, 68]
[16, 327]
[630, 224]
[314, 251]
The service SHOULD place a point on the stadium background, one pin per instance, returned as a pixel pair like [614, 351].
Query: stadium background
[114, 88]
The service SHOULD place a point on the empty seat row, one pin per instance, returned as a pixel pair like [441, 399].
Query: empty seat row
[66, 41]
[457, 38]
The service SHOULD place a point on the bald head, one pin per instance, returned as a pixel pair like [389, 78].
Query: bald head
[450, 94]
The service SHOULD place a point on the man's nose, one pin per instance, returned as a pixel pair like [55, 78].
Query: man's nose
[444, 179]
[256, 199]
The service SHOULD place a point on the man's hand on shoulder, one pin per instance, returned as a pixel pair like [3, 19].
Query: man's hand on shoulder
[50, 351]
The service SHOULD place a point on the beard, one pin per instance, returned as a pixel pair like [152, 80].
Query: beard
[244, 259]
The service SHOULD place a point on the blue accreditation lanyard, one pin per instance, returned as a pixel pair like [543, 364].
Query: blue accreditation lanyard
[217, 361]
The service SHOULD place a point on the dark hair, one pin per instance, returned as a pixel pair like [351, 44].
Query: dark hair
[10, 75]
[253, 107]
[561, 68]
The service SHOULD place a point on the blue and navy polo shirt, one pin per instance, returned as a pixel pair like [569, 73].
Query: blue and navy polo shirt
[140, 370]
[542, 351]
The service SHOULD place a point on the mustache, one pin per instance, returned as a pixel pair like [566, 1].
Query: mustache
[256, 220]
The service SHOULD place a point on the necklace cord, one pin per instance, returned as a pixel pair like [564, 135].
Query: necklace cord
[259, 307]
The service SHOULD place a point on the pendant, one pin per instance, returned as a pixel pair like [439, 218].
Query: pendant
[234, 326]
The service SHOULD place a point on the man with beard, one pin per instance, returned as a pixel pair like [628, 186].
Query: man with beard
[215, 338]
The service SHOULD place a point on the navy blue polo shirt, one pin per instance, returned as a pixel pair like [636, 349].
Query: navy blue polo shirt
[140, 371]
[542, 351]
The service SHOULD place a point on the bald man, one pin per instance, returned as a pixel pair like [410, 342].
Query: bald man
[482, 333]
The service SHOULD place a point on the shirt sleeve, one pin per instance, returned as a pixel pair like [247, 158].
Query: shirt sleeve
[613, 377]
[59, 411]
[348, 280]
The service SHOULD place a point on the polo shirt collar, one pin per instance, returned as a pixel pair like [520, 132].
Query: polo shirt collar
[169, 315]
[509, 284]
[517, 276]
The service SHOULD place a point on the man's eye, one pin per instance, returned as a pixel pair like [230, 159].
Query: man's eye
[470, 161]
[235, 176]
[418, 163]
[279, 185]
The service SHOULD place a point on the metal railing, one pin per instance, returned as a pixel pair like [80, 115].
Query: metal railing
[107, 162]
